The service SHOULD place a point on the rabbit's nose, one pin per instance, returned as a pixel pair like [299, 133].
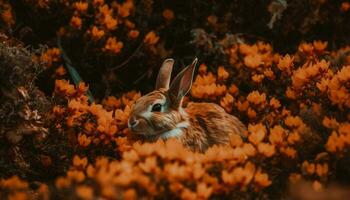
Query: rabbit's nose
[132, 123]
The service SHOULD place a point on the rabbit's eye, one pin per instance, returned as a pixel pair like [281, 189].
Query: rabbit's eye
[157, 107]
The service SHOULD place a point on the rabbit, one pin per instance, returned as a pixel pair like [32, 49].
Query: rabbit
[160, 115]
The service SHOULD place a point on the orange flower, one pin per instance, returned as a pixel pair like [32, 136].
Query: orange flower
[175, 172]
[317, 108]
[7, 16]
[60, 71]
[202, 68]
[111, 103]
[308, 168]
[257, 78]
[299, 78]
[76, 175]
[96, 34]
[293, 121]
[64, 88]
[317, 186]
[334, 143]
[239, 175]
[212, 19]
[266, 149]
[233, 89]
[253, 61]
[345, 6]
[290, 93]
[306, 48]
[294, 177]
[113, 45]
[320, 46]
[204, 191]
[61, 182]
[81, 6]
[76, 22]
[76, 105]
[129, 24]
[83, 140]
[82, 88]
[222, 73]
[80, 162]
[188, 194]
[50, 56]
[285, 63]
[246, 49]
[110, 22]
[62, 31]
[130, 194]
[344, 129]
[105, 10]
[256, 98]
[133, 34]
[89, 127]
[275, 103]
[242, 107]
[97, 2]
[219, 89]
[264, 47]
[123, 144]
[226, 102]
[125, 9]
[58, 110]
[277, 134]
[168, 14]
[330, 122]
[269, 74]
[261, 179]
[151, 38]
[322, 85]
[293, 138]
[343, 75]
[257, 133]
[236, 140]
[14, 183]
[251, 113]
[322, 169]
[85, 192]
[249, 149]
[149, 165]
[289, 152]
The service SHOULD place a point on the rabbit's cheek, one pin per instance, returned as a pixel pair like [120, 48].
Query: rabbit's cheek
[156, 122]
[161, 123]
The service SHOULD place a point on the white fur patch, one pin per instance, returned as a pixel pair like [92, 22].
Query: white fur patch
[147, 114]
[182, 112]
[176, 132]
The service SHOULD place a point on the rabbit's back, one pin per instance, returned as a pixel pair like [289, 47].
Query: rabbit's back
[210, 125]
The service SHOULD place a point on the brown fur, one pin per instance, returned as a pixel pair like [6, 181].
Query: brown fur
[198, 126]
[210, 125]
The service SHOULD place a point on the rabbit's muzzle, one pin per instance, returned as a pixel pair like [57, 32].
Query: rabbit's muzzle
[132, 123]
[142, 128]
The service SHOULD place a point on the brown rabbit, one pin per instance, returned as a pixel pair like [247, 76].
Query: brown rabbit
[159, 114]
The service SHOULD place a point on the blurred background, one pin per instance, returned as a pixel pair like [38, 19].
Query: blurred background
[71, 70]
[119, 45]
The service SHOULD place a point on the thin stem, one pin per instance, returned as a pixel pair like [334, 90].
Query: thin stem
[127, 60]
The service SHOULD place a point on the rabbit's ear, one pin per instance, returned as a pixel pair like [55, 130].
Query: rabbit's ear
[164, 74]
[181, 84]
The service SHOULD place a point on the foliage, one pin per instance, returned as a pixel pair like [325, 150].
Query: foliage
[293, 96]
